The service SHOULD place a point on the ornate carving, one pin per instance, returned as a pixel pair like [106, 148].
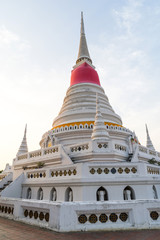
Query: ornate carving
[82, 218]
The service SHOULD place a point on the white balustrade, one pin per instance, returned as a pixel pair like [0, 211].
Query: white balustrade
[142, 149]
[38, 153]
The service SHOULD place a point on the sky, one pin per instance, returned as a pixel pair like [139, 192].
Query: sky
[39, 42]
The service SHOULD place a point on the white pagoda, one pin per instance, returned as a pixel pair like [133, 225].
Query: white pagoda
[90, 173]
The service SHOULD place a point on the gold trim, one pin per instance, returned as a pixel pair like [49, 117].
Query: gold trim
[83, 123]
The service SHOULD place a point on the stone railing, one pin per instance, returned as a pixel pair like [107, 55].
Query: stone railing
[79, 148]
[37, 174]
[50, 150]
[153, 170]
[38, 153]
[142, 149]
[36, 214]
[120, 147]
[63, 172]
[149, 151]
[24, 156]
[121, 170]
[103, 217]
[152, 152]
[6, 209]
[102, 145]
[83, 216]
[154, 215]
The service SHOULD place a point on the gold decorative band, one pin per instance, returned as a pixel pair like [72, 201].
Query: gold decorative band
[84, 123]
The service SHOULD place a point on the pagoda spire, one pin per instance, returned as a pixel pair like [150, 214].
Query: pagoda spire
[23, 147]
[149, 143]
[83, 53]
[99, 128]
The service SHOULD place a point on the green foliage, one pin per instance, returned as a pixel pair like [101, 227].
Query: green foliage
[153, 161]
[1, 171]
[40, 164]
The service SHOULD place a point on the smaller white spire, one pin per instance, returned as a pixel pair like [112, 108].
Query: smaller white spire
[23, 147]
[99, 128]
[149, 143]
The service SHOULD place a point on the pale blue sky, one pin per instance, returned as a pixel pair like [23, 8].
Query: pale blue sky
[39, 42]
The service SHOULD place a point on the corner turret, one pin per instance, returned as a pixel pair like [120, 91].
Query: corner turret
[149, 143]
[23, 147]
[99, 128]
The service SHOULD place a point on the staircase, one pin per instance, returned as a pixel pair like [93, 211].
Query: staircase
[5, 182]
[5, 185]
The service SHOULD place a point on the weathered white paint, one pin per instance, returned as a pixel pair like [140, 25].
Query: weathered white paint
[64, 216]
[74, 163]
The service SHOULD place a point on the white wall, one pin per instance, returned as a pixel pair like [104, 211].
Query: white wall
[14, 190]
[63, 216]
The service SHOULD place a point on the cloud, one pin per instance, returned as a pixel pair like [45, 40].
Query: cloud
[129, 14]
[8, 38]
[13, 55]
[126, 71]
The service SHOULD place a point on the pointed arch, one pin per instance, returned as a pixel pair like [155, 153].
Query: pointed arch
[86, 125]
[101, 194]
[29, 193]
[48, 142]
[40, 194]
[53, 194]
[128, 193]
[69, 195]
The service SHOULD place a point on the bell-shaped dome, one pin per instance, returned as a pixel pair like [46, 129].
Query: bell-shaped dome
[79, 106]
[84, 74]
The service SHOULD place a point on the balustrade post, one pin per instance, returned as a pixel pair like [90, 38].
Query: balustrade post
[42, 151]
[54, 221]
[18, 210]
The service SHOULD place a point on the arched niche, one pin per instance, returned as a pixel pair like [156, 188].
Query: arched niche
[101, 194]
[128, 193]
[50, 141]
[40, 194]
[69, 195]
[53, 194]
[29, 193]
